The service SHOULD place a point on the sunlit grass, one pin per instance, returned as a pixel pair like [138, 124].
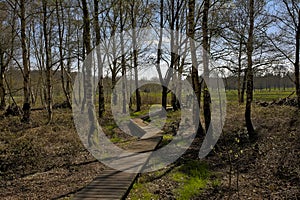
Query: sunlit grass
[167, 138]
[192, 177]
[143, 193]
[261, 95]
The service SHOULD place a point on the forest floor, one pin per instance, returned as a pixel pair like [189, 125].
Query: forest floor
[268, 168]
[39, 161]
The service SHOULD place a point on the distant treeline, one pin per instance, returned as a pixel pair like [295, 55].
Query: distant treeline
[268, 81]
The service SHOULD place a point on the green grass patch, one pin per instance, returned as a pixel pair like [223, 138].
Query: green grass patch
[266, 95]
[143, 192]
[139, 113]
[110, 127]
[166, 139]
[192, 177]
[261, 95]
[116, 139]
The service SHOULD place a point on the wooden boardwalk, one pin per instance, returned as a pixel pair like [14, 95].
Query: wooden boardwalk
[114, 184]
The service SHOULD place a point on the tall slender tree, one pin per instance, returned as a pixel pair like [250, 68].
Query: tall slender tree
[287, 41]
[48, 63]
[26, 70]
[99, 59]
[7, 43]
[195, 75]
[123, 60]
[61, 29]
[159, 55]
[133, 16]
[249, 125]
[88, 74]
[206, 50]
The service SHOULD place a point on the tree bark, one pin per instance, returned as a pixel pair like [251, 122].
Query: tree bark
[2, 88]
[159, 54]
[99, 60]
[48, 62]
[135, 58]
[123, 61]
[206, 95]
[26, 71]
[240, 71]
[195, 76]
[250, 129]
[296, 65]
[244, 86]
[88, 78]
[60, 24]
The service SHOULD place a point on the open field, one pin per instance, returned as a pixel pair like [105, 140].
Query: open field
[262, 95]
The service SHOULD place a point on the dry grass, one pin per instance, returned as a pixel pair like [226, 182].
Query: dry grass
[40, 161]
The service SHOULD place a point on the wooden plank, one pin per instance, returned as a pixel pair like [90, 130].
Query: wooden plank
[114, 184]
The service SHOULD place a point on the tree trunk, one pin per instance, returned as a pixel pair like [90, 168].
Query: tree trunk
[195, 76]
[206, 95]
[250, 129]
[240, 71]
[114, 82]
[176, 63]
[88, 78]
[2, 88]
[296, 65]
[48, 63]
[123, 61]
[60, 35]
[244, 86]
[99, 60]
[26, 71]
[69, 61]
[159, 54]
[135, 60]
[136, 79]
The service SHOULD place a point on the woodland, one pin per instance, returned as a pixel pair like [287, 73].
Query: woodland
[59, 58]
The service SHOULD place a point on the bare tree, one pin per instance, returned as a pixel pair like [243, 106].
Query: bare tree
[123, 60]
[99, 60]
[88, 75]
[206, 50]
[133, 15]
[287, 41]
[250, 129]
[234, 35]
[7, 43]
[195, 76]
[26, 71]
[48, 64]
[61, 28]
[159, 55]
